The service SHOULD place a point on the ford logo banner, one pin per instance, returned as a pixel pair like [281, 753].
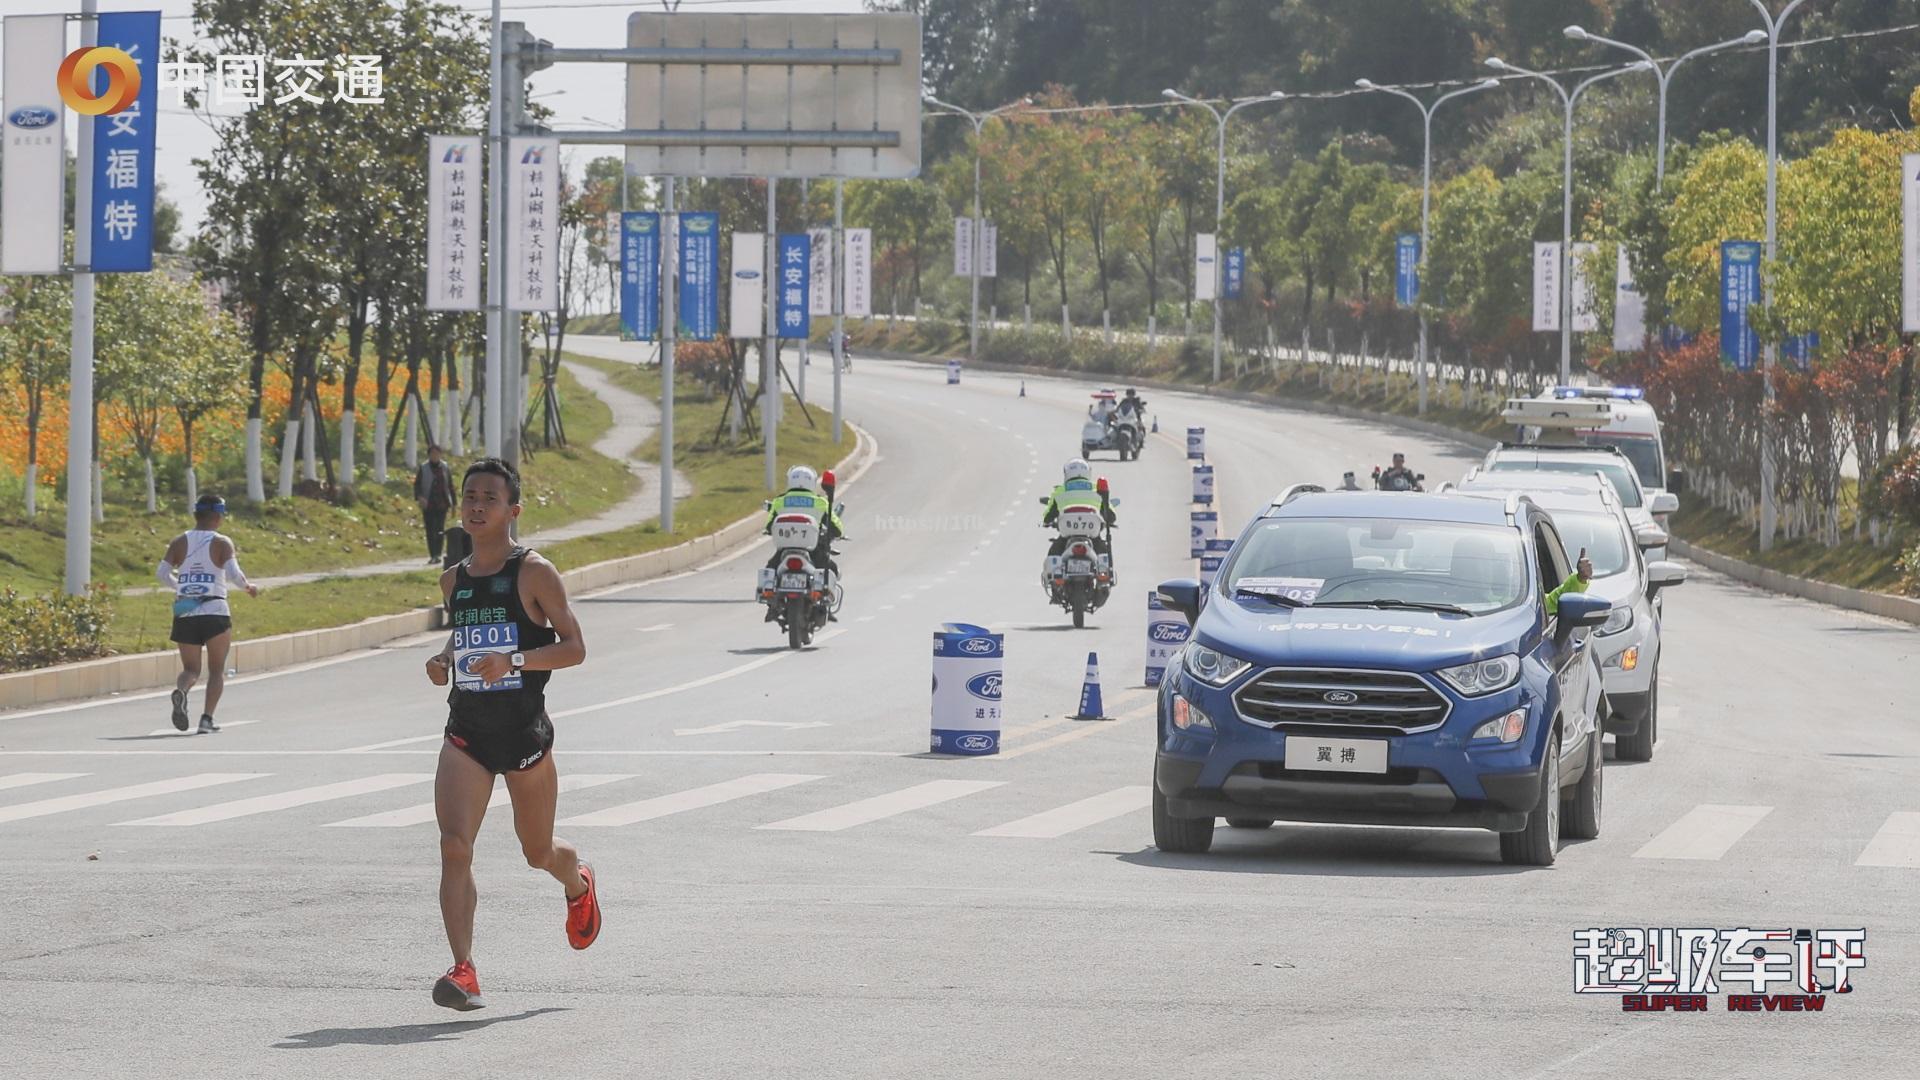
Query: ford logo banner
[985, 685]
[977, 646]
[1340, 697]
[1168, 632]
[32, 116]
[746, 275]
[974, 742]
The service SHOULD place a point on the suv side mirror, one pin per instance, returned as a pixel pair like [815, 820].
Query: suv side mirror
[1664, 575]
[1181, 595]
[1677, 480]
[1665, 502]
[1648, 539]
[1583, 610]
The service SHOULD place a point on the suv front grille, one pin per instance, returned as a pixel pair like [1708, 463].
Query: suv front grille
[1341, 697]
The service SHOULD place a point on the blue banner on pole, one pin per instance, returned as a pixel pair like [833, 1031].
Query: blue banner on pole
[640, 275]
[123, 165]
[794, 255]
[1236, 271]
[699, 275]
[1406, 265]
[1739, 290]
[1800, 348]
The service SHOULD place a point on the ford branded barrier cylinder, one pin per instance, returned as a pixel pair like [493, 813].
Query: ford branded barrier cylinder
[1196, 444]
[1166, 631]
[1203, 484]
[1210, 562]
[1203, 525]
[953, 373]
[966, 690]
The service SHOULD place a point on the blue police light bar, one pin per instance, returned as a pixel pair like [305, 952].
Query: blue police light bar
[1621, 393]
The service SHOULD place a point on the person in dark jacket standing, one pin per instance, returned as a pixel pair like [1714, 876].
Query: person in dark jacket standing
[433, 490]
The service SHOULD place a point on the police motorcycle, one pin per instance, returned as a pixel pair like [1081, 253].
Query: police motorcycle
[800, 594]
[1107, 428]
[1081, 577]
[1388, 480]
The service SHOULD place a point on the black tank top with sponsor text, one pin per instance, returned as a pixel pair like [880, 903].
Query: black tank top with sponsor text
[488, 617]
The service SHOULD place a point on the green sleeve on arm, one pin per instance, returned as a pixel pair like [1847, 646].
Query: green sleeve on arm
[1572, 584]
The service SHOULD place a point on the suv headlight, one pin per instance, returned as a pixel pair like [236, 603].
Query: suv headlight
[1211, 666]
[1617, 620]
[1482, 676]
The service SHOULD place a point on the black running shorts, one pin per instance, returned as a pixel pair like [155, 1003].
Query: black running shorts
[199, 629]
[504, 749]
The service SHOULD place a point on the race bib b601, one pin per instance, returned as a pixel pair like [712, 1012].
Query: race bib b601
[473, 643]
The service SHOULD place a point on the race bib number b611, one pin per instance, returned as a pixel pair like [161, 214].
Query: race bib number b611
[473, 643]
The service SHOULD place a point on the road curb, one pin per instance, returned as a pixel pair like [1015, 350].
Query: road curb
[1886, 605]
[148, 671]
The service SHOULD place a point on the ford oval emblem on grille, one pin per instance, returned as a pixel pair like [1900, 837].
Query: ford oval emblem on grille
[1340, 697]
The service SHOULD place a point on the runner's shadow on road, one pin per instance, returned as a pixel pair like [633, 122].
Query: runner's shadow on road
[147, 738]
[401, 1035]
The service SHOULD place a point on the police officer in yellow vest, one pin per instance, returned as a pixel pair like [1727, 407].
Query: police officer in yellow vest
[1077, 491]
[802, 498]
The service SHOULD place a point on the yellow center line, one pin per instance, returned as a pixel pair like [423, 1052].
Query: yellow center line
[1088, 727]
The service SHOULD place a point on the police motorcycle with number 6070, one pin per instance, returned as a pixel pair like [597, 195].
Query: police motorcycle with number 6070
[799, 593]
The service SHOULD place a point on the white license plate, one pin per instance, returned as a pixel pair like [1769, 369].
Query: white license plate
[793, 581]
[1079, 566]
[1336, 755]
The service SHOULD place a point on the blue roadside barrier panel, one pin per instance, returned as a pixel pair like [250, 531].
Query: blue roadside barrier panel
[1196, 444]
[1202, 526]
[953, 373]
[1166, 631]
[967, 662]
[1210, 562]
[1203, 484]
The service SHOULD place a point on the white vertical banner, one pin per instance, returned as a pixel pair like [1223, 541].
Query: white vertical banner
[857, 290]
[33, 203]
[1909, 242]
[746, 292]
[454, 180]
[533, 232]
[1206, 261]
[962, 247]
[1629, 308]
[989, 249]
[1546, 286]
[820, 273]
[610, 237]
[1586, 319]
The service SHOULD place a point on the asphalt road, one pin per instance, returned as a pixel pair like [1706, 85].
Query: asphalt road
[792, 887]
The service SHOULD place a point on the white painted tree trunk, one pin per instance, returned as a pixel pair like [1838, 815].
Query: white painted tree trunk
[289, 452]
[1106, 325]
[413, 437]
[1066, 323]
[33, 489]
[153, 504]
[346, 448]
[452, 422]
[1153, 332]
[256, 483]
[1026, 318]
[193, 486]
[99, 495]
[307, 470]
[380, 422]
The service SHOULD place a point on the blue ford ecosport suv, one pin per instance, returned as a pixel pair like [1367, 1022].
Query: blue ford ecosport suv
[1387, 659]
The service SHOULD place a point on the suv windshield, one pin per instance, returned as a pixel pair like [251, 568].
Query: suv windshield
[1644, 453]
[1366, 561]
[1600, 534]
[1616, 473]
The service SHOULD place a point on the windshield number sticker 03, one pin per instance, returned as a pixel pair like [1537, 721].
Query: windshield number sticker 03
[471, 643]
[1302, 589]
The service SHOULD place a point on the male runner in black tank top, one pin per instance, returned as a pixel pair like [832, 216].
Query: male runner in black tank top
[512, 626]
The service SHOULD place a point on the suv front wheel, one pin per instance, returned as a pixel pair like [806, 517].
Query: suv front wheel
[1535, 844]
[1179, 836]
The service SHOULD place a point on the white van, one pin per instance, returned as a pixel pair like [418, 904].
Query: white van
[1627, 423]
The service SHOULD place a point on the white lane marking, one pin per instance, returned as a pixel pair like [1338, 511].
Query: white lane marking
[27, 779]
[1896, 844]
[92, 703]
[177, 733]
[370, 747]
[863, 811]
[736, 725]
[654, 629]
[864, 618]
[691, 799]
[1062, 820]
[708, 680]
[1704, 832]
[284, 800]
[423, 813]
[886, 607]
[424, 753]
[121, 794]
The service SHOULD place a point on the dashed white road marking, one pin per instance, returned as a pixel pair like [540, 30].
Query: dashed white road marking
[121, 794]
[691, 799]
[285, 800]
[1704, 833]
[423, 813]
[27, 779]
[865, 811]
[1896, 844]
[1062, 820]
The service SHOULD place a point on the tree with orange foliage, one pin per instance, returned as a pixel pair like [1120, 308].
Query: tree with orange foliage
[33, 353]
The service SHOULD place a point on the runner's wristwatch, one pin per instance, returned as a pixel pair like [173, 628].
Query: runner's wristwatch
[517, 660]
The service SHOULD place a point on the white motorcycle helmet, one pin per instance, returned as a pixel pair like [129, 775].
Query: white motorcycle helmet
[1077, 469]
[800, 476]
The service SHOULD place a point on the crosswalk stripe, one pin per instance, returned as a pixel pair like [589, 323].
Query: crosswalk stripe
[1896, 844]
[423, 813]
[120, 794]
[27, 779]
[863, 811]
[1704, 832]
[1062, 820]
[285, 800]
[691, 799]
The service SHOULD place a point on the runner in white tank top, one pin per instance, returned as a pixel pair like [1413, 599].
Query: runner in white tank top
[197, 568]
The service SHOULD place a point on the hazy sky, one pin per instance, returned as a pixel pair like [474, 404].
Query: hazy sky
[569, 89]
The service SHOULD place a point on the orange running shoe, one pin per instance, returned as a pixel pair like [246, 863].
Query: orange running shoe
[583, 913]
[459, 988]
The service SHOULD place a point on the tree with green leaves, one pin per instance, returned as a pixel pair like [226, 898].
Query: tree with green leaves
[33, 354]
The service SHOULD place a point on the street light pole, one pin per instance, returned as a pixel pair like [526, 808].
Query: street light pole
[974, 231]
[1751, 37]
[1220, 194]
[1566, 191]
[1426, 194]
